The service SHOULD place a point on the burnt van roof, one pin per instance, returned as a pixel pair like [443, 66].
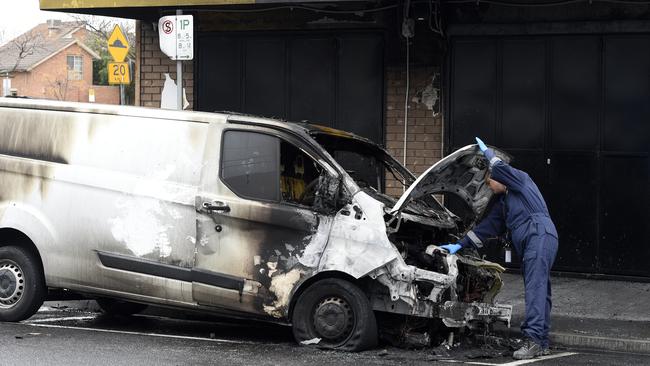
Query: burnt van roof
[146, 112]
[188, 116]
[311, 129]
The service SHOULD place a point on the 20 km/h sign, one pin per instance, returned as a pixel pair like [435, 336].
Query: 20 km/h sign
[118, 73]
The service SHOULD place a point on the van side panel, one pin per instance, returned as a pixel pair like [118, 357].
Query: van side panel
[78, 183]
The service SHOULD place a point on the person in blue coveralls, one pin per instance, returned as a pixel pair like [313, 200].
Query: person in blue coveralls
[520, 208]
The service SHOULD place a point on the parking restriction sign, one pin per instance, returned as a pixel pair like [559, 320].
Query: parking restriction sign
[176, 34]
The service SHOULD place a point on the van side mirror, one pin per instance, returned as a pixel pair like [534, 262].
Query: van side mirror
[327, 194]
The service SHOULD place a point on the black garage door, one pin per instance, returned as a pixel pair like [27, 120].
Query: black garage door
[574, 111]
[330, 79]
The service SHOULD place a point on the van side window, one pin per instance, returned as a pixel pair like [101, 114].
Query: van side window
[260, 166]
[249, 164]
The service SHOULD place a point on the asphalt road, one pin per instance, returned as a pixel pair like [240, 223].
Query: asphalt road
[73, 338]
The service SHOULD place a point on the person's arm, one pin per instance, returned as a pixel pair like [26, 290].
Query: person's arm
[502, 172]
[491, 226]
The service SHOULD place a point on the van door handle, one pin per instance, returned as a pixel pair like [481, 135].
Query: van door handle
[216, 206]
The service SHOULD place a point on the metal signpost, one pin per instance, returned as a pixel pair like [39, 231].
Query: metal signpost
[176, 34]
[118, 71]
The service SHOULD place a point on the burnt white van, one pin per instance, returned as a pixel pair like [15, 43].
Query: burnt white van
[237, 215]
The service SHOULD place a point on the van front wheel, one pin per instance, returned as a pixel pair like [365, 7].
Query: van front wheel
[22, 287]
[337, 312]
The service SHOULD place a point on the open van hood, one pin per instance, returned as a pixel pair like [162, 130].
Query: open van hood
[461, 173]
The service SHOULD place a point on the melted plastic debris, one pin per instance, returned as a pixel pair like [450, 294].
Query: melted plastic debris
[310, 341]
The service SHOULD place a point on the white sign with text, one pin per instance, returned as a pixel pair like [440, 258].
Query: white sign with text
[176, 33]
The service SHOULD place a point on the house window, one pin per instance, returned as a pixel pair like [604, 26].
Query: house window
[75, 67]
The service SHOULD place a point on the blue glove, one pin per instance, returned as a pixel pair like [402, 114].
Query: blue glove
[481, 145]
[451, 248]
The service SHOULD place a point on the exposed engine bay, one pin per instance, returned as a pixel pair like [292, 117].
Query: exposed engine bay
[465, 300]
[429, 287]
[477, 279]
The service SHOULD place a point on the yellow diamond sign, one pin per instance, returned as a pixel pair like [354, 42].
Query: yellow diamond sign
[118, 46]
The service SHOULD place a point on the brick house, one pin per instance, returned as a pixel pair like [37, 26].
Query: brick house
[51, 61]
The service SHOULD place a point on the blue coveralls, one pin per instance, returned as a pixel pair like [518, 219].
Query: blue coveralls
[522, 210]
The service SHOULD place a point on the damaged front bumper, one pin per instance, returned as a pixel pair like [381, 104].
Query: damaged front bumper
[427, 294]
[456, 314]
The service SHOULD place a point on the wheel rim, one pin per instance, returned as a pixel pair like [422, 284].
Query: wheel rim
[12, 284]
[333, 319]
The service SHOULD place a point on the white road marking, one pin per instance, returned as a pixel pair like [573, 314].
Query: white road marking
[514, 363]
[35, 323]
[217, 340]
[62, 319]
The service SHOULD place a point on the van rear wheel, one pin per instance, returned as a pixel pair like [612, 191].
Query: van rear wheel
[337, 312]
[22, 287]
[120, 307]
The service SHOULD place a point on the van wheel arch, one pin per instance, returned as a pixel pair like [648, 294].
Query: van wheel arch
[23, 289]
[14, 237]
[318, 277]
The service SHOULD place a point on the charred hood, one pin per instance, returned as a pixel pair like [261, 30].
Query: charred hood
[461, 173]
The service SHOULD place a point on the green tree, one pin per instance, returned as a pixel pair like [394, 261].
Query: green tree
[100, 29]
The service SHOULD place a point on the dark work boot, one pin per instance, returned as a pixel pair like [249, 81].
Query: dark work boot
[528, 350]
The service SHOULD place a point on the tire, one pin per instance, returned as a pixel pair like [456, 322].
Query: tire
[22, 285]
[120, 307]
[337, 312]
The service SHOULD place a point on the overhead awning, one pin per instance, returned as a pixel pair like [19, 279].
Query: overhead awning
[95, 4]
[139, 9]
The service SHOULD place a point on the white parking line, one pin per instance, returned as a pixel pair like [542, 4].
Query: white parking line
[514, 363]
[217, 340]
[37, 323]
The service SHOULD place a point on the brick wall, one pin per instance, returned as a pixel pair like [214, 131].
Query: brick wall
[153, 66]
[424, 134]
[107, 94]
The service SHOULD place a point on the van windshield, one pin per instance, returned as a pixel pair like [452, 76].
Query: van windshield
[371, 166]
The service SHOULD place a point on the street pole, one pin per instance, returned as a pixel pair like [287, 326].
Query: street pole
[179, 76]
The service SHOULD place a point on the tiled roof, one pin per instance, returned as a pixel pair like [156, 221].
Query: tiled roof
[42, 42]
